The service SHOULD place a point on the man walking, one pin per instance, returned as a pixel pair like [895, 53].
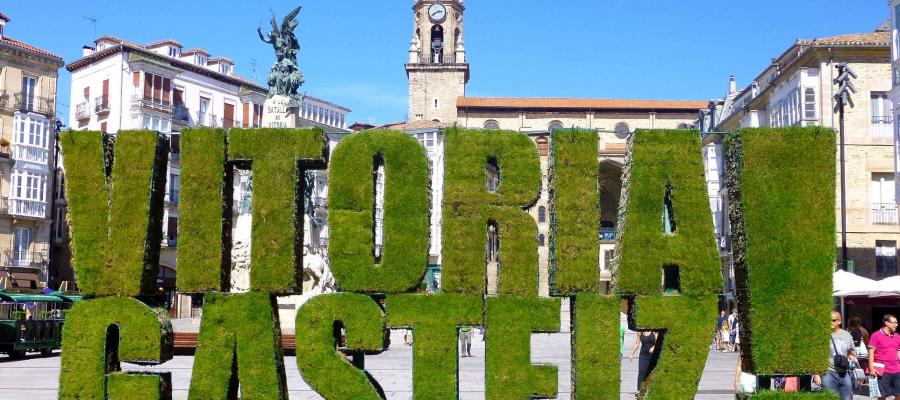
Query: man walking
[465, 341]
[839, 378]
[884, 356]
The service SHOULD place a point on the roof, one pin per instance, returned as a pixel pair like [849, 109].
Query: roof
[176, 62]
[415, 125]
[4, 17]
[195, 50]
[216, 60]
[159, 43]
[25, 46]
[21, 297]
[579, 104]
[877, 39]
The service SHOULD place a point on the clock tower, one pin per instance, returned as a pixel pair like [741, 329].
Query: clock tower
[437, 69]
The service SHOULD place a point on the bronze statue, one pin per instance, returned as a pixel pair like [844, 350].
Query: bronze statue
[285, 76]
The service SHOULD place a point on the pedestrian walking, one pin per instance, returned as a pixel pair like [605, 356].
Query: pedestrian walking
[465, 341]
[646, 341]
[717, 335]
[733, 322]
[884, 363]
[839, 378]
[860, 339]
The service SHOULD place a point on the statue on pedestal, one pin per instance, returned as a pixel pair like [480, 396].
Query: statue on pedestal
[285, 76]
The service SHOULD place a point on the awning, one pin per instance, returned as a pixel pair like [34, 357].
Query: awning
[847, 284]
[70, 297]
[23, 297]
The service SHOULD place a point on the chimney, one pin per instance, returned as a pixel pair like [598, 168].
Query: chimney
[86, 51]
[732, 85]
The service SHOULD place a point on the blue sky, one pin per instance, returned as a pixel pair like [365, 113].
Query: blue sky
[352, 52]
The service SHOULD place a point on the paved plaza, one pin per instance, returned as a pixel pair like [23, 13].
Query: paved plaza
[37, 378]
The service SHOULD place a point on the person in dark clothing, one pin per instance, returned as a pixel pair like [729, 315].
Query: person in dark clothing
[860, 336]
[646, 341]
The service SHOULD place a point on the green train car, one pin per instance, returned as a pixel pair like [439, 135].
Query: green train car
[32, 322]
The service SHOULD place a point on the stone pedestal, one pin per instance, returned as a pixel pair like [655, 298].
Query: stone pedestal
[280, 112]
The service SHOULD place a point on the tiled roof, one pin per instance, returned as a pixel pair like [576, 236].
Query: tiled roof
[162, 42]
[855, 39]
[572, 103]
[415, 125]
[25, 46]
[192, 51]
[219, 59]
[4, 17]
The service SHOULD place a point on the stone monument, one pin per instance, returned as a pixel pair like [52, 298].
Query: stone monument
[283, 103]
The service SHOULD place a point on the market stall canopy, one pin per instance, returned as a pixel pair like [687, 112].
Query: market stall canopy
[848, 284]
[888, 287]
[23, 297]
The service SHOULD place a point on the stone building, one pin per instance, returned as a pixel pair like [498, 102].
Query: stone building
[28, 78]
[438, 72]
[121, 85]
[797, 90]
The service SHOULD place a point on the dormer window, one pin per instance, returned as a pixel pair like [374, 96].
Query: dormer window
[174, 52]
[201, 59]
[225, 69]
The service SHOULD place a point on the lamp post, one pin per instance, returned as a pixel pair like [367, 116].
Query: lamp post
[842, 98]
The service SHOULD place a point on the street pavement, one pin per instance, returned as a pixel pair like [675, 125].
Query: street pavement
[37, 378]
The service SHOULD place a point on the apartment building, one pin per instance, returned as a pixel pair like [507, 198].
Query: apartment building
[28, 77]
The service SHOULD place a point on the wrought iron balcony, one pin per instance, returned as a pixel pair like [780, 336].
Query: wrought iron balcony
[33, 259]
[881, 126]
[181, 113]
[148, 103]
[231, 123]
[35, 104]
[207, 119]
[884, 214]
[101, 104]
[82, 111]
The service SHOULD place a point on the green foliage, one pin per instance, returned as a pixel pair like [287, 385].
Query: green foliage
[688, 323]
[406, 212]
[324, 367]
[469, 208]
[277, 156]
[434, 321]
[508, 370]
[144, 336]
[116, 222]
[658, 158]
[783, 229]
[201, 254]
[132, 386]
[240, 341]
[595, 346]
[576, 212]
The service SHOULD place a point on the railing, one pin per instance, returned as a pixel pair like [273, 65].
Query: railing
[40, 105]
[24, 152]
[181, 113]
[207, 119]
[884, 214]
[429, 57]
[881, 126]
[4, 205]
[231, 123]
[82, 111]
[28, 208]
[101, 104]
[152, 104]
[26, 259]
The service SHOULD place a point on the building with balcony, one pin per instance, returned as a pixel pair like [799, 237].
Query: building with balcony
[797, 90]
[28, 78]
[121, 85]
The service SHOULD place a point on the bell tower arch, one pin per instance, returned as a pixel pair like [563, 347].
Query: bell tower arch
[437, 69]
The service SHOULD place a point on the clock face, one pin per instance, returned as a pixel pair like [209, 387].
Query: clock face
[437, 13]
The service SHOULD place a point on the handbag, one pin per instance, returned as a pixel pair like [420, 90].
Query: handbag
[862, 351]
[841, 362]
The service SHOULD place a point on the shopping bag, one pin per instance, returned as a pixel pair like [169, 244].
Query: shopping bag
[873, 388]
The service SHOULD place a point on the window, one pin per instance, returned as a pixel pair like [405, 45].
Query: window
[493, 243]
[809, 103]
[28, 185]
[204, 106]
[172, 232]
[201, 60]
[885, 258]
[174, 52]
[155, 123]
[622, 130]
[541, 240]
[493, 175]
[542, 214]
[225, 68]
[157, 89]
[174, 184]
[554, 125]
[881, 115]
[29, 83]
[491, 124]
[435, 103]
[31, 131]
[881, 195]
[21, 243]
[542, 145]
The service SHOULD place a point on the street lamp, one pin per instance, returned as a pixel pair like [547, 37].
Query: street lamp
[843, 98]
